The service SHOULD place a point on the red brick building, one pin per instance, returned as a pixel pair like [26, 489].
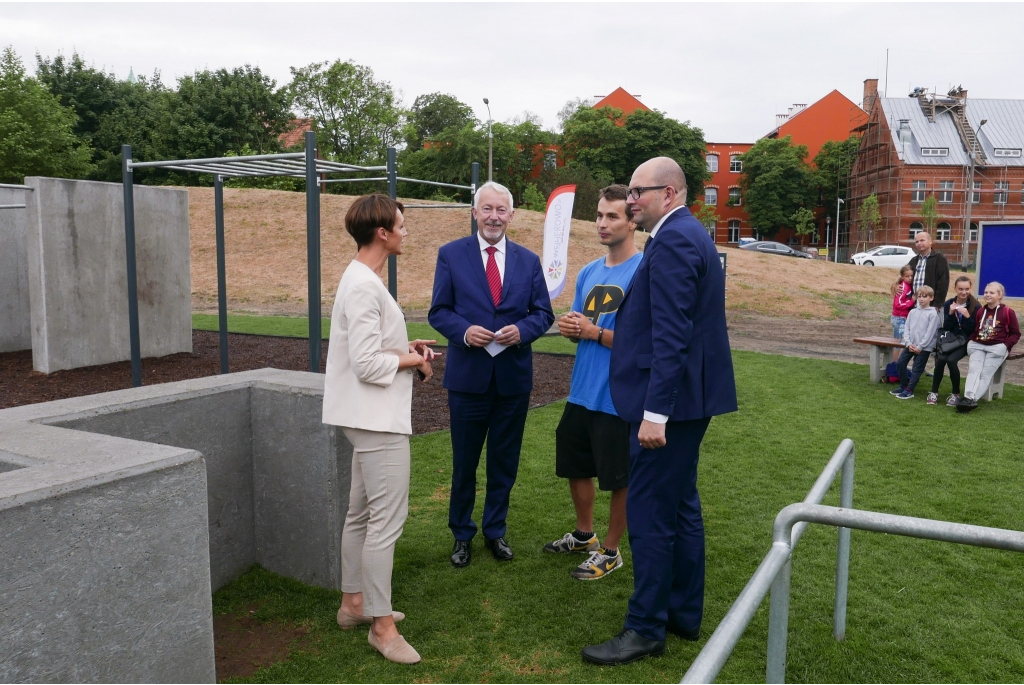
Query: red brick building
[723, 193]
[917, 147]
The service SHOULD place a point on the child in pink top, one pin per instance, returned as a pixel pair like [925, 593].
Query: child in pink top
[902, 303]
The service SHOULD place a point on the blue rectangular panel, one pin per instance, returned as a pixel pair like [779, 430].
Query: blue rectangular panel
[1002, 257]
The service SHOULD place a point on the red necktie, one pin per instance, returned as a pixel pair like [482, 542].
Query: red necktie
[493, 276]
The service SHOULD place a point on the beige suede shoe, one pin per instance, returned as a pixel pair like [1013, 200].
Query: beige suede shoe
[348, 621]
[398, 650]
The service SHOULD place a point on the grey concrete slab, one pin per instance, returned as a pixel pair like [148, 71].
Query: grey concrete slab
[77, 275]
[121, 512]
[15, 317]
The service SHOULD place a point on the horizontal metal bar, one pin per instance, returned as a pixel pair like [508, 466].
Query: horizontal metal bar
[12, 206]
[928, 529]
[227, 172]
[434, 183]
[352, 180]
[448, 206]
[330, 166]
[716, 652]
[214, 160]
[15, 187]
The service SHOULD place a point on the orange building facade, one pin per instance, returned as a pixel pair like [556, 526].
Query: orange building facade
[723, 192]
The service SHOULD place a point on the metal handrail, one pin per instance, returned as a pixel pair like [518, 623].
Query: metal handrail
[775, 570]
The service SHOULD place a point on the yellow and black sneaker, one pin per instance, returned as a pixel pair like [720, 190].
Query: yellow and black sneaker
[600, 564]
[569, 543]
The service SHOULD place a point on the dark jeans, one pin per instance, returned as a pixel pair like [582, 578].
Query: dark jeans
[920, 359]
[950, 360]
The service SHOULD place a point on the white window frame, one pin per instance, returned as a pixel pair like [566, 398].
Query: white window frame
[935, 152]
[1007, 152]
[713, 201]
[735, 164]
[734, 231]
[712, 162]
[739, 197]
[972, 234]
[945, 192]
[918, 191]
[915, 228]
[1002, 192]
[943, 233]
[976, 193]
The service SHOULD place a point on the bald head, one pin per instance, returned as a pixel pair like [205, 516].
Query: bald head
[923, 242]
[665, 185]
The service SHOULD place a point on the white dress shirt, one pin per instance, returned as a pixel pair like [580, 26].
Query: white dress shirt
[650, 415]
[499, 256]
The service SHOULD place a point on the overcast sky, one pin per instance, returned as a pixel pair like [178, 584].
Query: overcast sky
[727, 68]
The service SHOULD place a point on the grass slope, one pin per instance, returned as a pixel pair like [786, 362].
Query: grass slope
[918, 611]
[298, 327]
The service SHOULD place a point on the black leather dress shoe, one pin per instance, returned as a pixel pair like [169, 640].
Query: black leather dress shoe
[500, 549]
[462, 552]
[624, 648]
[691, 635]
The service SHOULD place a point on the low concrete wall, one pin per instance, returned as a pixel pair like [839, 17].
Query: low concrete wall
[77, 276]
[15, 319]
[136, 504]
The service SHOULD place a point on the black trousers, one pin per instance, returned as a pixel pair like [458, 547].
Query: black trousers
[950, 360]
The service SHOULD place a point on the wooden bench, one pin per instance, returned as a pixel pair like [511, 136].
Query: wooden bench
[881, 354]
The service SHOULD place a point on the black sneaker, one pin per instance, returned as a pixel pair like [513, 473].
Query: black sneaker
[569, 544]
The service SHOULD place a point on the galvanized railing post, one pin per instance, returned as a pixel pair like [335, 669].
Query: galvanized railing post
[129, 249]
[474, 170]
[778, 625]
[313, 253]
[843, 551]
[222, 295]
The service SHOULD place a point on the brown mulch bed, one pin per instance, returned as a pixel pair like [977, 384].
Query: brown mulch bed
[20, 385]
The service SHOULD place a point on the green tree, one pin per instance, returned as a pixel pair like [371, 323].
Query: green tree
[930, 213]
[534, 199]
[588, 186]
[832, 167]
[36, 132]
[357, 116]
[652, 134]
[776, 182]
[597, 139]
[216, 111]
[706, 214]
[431, 114]
[803, 221]
[870, 217]
[91, 93]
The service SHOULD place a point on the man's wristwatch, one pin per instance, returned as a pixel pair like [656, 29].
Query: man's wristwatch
[600, 332]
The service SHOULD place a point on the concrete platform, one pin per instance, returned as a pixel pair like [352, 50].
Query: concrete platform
[121, 512]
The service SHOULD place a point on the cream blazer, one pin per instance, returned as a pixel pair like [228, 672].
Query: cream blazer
[363, 387]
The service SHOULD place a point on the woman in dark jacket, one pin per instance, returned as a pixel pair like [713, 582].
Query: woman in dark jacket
[959, 319]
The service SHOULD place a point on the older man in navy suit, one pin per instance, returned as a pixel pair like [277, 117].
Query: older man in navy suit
[673, 374]
[491, 302]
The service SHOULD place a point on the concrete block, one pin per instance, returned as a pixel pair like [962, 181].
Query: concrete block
[15, 319]
[121, 512]
[77, 274]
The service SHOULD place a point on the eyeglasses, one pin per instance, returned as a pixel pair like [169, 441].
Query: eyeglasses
[635, 193]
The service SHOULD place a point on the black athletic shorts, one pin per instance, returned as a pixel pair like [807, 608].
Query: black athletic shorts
[591, 444]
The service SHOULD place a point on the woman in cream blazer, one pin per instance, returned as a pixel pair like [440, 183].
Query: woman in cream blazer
[368, 394]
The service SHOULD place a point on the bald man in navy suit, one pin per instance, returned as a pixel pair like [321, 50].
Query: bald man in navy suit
[673, 374]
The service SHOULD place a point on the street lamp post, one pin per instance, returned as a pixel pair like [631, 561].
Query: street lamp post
[490, 143]
[839, 201]
[966, 247]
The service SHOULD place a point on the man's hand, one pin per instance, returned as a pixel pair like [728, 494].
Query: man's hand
[508, 335]
[652, 435]
[568, 326]
[588, 331]
[478, 336]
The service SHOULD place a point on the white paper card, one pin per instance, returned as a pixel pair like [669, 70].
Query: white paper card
[494, 348]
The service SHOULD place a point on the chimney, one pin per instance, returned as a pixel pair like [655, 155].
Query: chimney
[870, 93]
[780, 119]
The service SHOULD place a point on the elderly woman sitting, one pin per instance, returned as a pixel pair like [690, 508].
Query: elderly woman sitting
[996, 331]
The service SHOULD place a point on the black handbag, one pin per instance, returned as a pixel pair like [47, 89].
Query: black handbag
[950, 342]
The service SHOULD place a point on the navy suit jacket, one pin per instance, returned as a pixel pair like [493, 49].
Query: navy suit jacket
[462, 298]
[671, 354]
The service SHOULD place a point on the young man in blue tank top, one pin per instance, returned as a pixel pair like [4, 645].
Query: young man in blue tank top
[591, 441]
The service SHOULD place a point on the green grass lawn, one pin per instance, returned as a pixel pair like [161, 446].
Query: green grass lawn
[919, 611]
[298, 327]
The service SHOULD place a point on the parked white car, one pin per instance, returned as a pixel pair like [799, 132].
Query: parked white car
[884, 255]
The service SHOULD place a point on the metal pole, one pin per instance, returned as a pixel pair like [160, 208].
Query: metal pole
[839, 201]
[129, 250]
[475, 176]
[490, 143]
[778, 625]
[966, 248]
[313, 252]
[222, 292]
[843, 552]
[393, 194]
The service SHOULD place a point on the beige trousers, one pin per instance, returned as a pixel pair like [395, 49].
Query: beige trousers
[378, 504]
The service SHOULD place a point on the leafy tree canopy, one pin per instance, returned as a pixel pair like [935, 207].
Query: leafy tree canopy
[36, 132]
[433, 113]
[357, 116]
[832, 168]
[90, 92]
[776, 181]
[597, 139]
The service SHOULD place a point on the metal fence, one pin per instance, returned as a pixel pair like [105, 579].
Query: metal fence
[774, 573]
